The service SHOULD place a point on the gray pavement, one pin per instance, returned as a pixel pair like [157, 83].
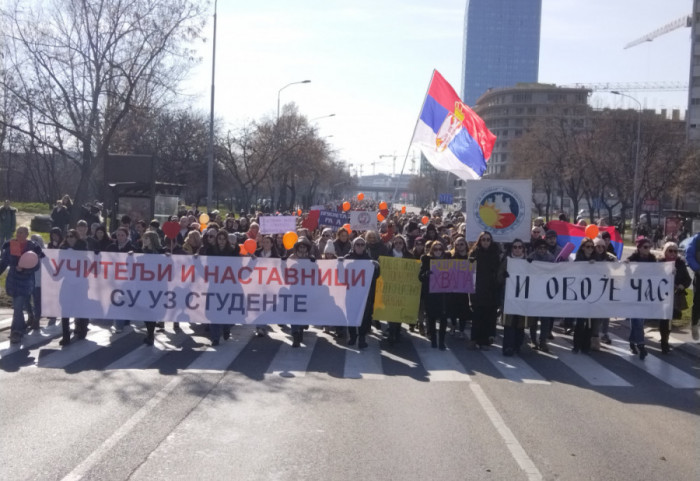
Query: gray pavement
[255, 409]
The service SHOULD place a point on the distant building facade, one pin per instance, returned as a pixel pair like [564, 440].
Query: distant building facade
[693, 115]
[501, 45]
[508, 112]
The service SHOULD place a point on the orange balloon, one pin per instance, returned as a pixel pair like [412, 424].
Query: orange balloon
[403, 209]
[242, 250]
[591, 231]
[204, 219]
[346, 206]
[299, 212]
[289, 239]
[380, 217]
[348, 228]
[382, 205]
[425, 220]
[250, 245]
[360, 196]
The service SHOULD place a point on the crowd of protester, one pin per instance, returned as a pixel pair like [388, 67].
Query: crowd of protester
[423, 236]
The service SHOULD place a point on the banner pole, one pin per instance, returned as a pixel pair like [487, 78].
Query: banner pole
[408, 150]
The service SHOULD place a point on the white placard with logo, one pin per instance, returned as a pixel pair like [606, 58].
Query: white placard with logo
[363, 220]
[500, 207]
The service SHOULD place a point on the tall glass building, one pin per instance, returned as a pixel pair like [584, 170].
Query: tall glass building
[501, 45]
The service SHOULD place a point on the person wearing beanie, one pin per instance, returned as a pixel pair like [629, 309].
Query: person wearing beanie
[325, 239]
[636, 337]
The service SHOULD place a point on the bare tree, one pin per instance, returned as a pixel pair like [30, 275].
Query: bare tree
[80, 66]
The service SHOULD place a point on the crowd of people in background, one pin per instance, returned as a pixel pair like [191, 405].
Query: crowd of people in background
[401, 234]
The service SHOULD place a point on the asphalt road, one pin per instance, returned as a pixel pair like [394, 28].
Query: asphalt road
[255, 409]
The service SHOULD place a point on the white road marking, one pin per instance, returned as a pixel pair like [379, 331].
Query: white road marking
[441, 365]
[515, 448]
[289, 361]
[587, 367]
[661, 370]
[365, 363]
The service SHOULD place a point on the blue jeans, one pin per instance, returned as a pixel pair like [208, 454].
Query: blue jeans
[636, 331]
[18, 324]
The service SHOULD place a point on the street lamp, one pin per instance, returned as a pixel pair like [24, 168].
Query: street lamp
[280, 91]
[210, 147]
[322, 117]
[635, 187]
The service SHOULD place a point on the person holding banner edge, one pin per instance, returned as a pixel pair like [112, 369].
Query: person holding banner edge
[513, 325]
[636, 337]
[681, 281]
[20, 280]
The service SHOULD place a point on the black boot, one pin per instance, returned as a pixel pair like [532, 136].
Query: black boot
[433, 339]
[642, 351]
[296, 339]
[633, 348]
[362, 342]
[352, 340]
[441, 340]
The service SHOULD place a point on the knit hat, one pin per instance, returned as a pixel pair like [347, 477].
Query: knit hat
[329, 249]
[641, 240]
[551, 233]
[358, 239]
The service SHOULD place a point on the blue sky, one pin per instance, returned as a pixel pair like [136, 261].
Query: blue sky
[370, 61]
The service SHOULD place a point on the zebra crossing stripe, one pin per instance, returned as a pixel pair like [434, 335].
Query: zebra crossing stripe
[144, 356]
[440, 365]
[30, 340]
[365, 363]
[97, 338]
[587, 367]
[220, 357]
[661, 370]
[289, 361]
[514, 368]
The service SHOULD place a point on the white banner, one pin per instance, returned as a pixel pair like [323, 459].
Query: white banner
[277, 224]
[501, 207]
[363, 220]
[590, 290]
[226, 290]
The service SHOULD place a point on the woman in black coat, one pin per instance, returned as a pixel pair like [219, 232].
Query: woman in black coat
[487, 297]
[681, 281]
[435, 303]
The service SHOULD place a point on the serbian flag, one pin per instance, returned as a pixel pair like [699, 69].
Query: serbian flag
[450, 135]
[576, 233]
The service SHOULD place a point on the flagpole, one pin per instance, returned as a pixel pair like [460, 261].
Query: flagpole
[408, 150]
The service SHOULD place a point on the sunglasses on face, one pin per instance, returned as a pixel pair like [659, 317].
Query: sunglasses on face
[517, 247]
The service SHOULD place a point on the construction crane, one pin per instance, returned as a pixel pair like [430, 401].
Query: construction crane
[684, 21]
[631, 86]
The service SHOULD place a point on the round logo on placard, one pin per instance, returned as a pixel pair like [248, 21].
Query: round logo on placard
[363, 218]
[499, 210]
